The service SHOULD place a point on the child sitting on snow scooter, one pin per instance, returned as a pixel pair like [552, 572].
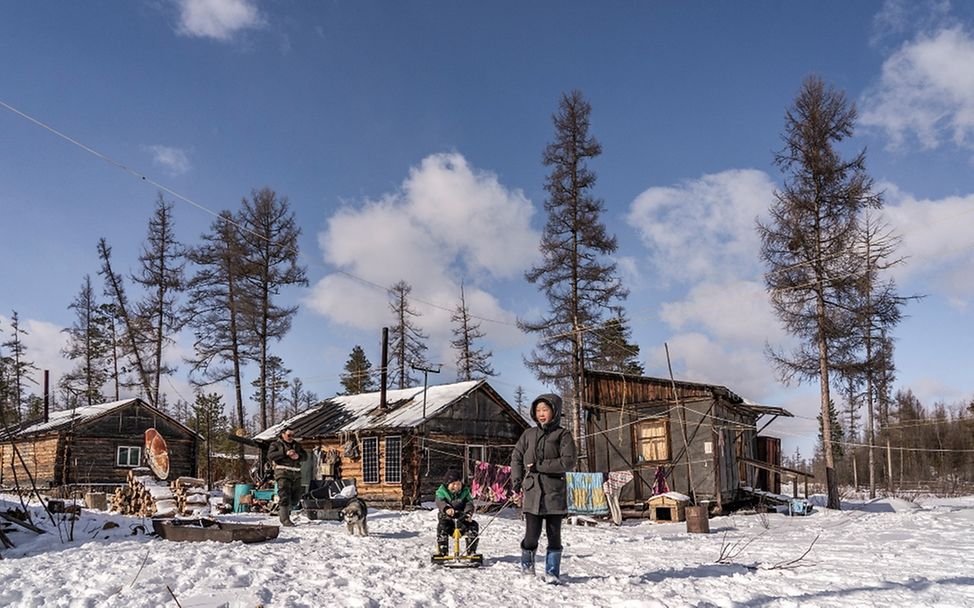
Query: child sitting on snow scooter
[455, 505]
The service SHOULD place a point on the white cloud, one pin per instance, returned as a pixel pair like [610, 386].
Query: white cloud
[217, 19]
[735, 311]
[936, 241]
[700, 358]
[448, 220]
[173, 160]
[701, 235]
[926, 91]
[704, 228]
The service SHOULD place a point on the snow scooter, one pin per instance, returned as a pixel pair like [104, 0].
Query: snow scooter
[459, 558]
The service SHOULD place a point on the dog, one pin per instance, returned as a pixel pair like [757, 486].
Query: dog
[355, 515]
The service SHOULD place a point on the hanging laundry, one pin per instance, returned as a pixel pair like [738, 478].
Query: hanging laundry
[585, 494]
[329, 464]
[491, 482]
[659, 482]
[612, 487]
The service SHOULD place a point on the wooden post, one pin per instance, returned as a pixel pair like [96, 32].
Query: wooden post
[889, 466]
[683, 426]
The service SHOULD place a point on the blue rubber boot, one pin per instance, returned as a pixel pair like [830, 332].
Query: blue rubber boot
[552, 567]
[527, 562]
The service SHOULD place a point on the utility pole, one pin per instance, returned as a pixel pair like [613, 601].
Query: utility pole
[426, 371]
[423, 452]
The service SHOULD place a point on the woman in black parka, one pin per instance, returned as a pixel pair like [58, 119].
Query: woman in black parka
[541, 457]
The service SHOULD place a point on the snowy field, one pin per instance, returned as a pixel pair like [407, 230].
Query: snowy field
[888, 553]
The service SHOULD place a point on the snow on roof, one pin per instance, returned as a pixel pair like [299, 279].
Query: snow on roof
[344, 413]
[64, 418]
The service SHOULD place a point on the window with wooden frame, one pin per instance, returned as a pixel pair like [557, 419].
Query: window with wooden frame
[370, 460]
[128, 456]
[393, 459]
[474, 453]
[652, 439]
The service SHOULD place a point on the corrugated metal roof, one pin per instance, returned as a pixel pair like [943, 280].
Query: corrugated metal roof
[345, 413]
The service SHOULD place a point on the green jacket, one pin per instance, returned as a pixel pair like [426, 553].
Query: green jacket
[461, 502]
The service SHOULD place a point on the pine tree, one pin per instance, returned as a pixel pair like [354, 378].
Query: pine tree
[297, 399]
[89, 343]
[209, 419]
[576, 275]
[218, 302]
[270, 238]
[472, 362]
[837, 432]
[808, 244]
[406, 339]
[18, 370]
[276, 384]
[612, 350]
[132, 333]
[519, 400]
[357, 378]
[161, 275]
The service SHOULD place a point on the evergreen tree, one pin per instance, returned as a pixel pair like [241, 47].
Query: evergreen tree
[808, 244]
[612, 350]
[18, 371]
[297, 399]
[89, 343]
[270, 238]
[520, 402]
[472, 362]
[108, 313]
[837, 432]
[276, 385]
[161, 275]
[357, 378]
[406, 339]
[218, 301]
[878, 311]
[208, 418]
[132, 335]
[576, 275]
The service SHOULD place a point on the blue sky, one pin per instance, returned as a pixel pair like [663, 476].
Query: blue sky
[408, 139]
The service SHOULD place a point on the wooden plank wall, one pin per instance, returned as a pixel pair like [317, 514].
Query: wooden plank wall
[40, 454]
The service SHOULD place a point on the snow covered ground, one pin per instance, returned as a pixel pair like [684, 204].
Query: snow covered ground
[887, 553]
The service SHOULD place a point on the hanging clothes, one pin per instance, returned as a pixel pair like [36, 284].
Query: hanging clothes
[329, 464]
[585, 494]
[612, 487]
[659, 482]
[491, 482]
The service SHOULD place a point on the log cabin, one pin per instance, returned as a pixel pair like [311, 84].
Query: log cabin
[94, 445]
[399, 451]
[637, 423]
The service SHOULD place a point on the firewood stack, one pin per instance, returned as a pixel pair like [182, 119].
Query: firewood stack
[191, 496]
[144, 495]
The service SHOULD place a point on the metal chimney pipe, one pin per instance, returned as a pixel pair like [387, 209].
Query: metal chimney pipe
[47, 395]
[385, 366]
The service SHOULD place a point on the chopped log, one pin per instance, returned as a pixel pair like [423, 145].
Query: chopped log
[22, 524]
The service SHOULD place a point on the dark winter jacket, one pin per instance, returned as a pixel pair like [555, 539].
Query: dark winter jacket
[461, 502]
[284, 465]
[551, 451]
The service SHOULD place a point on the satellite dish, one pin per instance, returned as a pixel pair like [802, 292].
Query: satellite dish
[157, 453]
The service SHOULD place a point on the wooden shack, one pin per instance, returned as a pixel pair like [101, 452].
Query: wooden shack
[698, 437]
[399, 452]
[91, 446]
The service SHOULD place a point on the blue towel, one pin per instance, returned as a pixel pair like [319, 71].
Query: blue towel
[585, 494]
